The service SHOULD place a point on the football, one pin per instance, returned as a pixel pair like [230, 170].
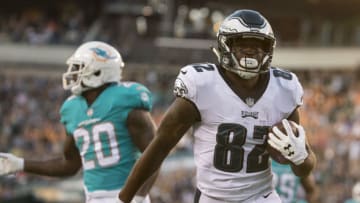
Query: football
[274, 153]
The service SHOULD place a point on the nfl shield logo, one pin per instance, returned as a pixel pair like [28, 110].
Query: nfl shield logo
[250, 101]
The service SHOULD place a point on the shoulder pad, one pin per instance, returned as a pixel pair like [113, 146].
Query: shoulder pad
[284, 78]
[200, 72]
[198, 67]
[71, 99]
[192, 77]
[289, 82]
[138, 94]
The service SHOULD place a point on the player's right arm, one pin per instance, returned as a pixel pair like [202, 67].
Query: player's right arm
[177, 120]
[311, 189]
[65, 165]
[179, 117]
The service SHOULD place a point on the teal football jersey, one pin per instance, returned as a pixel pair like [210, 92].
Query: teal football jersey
[101, 135]
[286, 182]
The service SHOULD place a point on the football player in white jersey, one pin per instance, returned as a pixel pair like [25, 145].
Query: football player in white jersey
[231, 107]
[108, 124]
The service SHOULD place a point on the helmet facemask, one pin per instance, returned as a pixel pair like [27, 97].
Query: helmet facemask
[81, 77]
[250, 64]
[72, 79]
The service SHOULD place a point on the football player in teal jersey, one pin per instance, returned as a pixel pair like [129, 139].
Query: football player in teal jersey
[108, 125]
[287, 184]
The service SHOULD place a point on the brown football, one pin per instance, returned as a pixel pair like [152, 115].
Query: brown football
[274, 153]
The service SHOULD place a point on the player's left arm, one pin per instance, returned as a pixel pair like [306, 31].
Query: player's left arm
[305, 168]
[141, 127]
[142, 130]
[311, 189]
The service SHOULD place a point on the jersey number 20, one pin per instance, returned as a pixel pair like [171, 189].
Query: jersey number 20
[100, 140]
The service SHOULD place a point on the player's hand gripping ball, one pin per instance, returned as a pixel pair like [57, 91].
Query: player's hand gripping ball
[274, 153]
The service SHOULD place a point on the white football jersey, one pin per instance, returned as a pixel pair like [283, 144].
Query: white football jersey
[229, 148]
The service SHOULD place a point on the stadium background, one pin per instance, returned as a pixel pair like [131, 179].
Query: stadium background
[317, 39]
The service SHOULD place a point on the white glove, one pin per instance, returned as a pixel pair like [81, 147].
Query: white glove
[10, 163]
[291, 147]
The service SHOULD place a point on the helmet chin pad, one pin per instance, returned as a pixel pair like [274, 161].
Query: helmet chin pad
[249, 63]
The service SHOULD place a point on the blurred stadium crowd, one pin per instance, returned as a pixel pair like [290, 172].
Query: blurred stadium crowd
[29, 105]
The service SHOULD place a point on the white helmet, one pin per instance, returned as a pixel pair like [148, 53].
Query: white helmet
[92, 65]
[242, 25]
[356, 192]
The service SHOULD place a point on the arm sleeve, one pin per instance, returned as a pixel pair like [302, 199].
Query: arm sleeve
[140, 97]
[298, 91]
[185, 84]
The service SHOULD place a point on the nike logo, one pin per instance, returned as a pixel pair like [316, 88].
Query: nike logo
[183, 71]
[267, 195]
